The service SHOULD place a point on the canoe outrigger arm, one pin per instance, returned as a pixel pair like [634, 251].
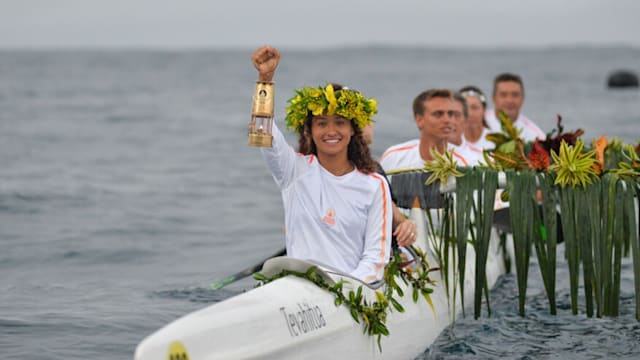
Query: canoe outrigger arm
[450, 185]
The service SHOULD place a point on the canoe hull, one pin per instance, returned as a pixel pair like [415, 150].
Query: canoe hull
[292, 318]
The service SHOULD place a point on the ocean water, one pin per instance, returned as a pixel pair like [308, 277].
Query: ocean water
[126, 187]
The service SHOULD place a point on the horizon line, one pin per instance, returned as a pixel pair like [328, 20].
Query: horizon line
[334, 47]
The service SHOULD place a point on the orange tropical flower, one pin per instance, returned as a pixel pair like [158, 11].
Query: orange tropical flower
[600, 145]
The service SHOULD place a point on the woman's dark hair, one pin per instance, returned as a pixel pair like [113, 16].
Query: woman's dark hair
[358, 151]
[475, 91]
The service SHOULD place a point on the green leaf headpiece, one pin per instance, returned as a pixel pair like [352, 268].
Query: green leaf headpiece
[347, 103]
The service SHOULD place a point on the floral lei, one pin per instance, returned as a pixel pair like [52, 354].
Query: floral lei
[347, 103]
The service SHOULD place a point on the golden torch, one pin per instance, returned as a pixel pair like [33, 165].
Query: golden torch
[261, 115]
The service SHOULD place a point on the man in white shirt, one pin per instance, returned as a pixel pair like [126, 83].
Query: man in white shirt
[508, 96]
[433, 112]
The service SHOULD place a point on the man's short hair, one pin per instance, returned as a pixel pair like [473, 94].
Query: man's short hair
[504, 77]
[418, 102]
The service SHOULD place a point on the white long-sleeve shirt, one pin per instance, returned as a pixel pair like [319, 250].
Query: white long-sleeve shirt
[471, 154]
[342, 221]
[406, 155]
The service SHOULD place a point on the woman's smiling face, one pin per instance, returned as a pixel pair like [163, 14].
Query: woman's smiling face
[331, 134]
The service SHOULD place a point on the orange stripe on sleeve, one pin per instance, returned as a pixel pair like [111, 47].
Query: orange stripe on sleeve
[383, 241]
[473, 148]
[464, 161]
[403, 148]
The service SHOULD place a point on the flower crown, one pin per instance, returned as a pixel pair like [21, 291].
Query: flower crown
[347, 103]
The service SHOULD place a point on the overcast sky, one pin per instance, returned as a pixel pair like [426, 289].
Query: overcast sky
[316, 23]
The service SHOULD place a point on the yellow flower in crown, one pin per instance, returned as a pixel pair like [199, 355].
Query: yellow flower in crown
[330, 95]
[347, 103]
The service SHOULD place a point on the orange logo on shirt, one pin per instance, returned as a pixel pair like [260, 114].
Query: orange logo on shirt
[330, 218]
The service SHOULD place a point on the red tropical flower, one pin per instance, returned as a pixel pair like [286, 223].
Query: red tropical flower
[539, 157]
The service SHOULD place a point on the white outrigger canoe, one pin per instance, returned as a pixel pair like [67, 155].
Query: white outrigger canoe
[292, 318]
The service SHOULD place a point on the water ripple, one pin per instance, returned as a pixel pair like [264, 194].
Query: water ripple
[196, 295]
[539, 335]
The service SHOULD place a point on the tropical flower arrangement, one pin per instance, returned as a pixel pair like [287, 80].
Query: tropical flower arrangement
[565, 155]
[347, 103]
[561, 190]
[558, 190]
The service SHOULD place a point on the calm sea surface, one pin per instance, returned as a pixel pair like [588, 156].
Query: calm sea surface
[126, 187]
